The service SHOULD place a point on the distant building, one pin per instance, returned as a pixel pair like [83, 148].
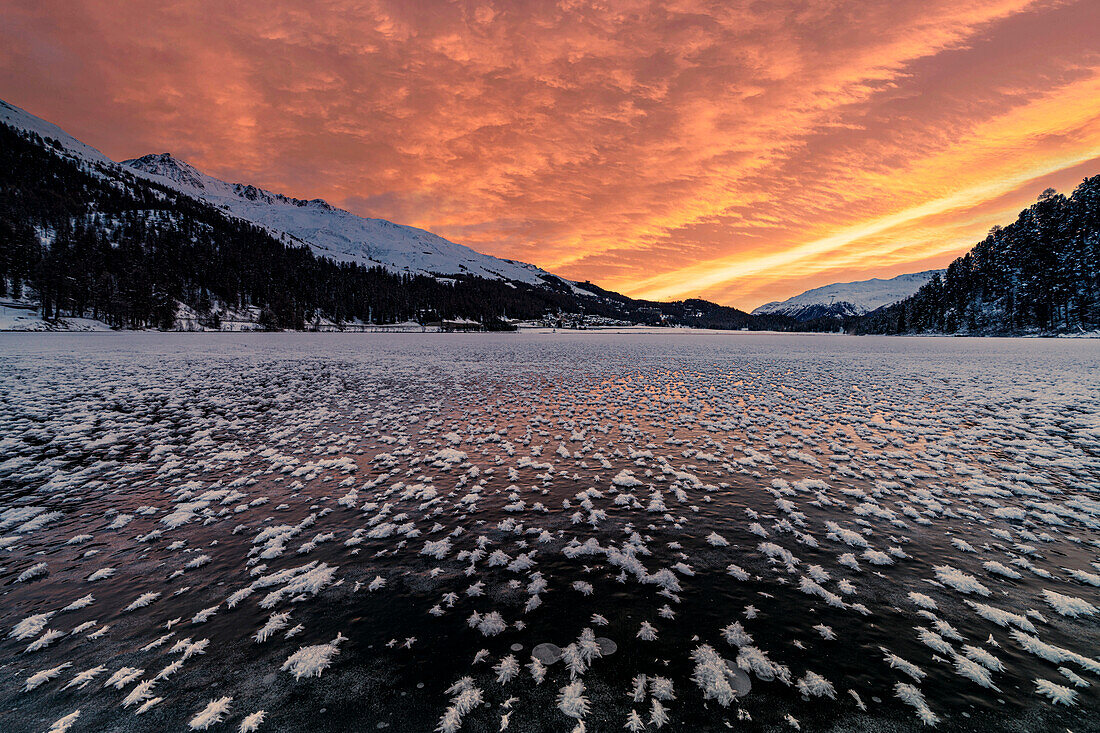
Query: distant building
[459, 324]
[403, 327]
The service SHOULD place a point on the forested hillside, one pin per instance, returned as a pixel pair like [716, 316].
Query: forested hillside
[89, 239]
[1039, 274]
[96, 241]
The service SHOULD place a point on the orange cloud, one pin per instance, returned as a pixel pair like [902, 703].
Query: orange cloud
[742, 151]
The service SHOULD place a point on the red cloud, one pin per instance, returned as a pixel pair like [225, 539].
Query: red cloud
[668, 149]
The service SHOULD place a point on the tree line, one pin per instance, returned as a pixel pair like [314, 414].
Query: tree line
[96, 241]
[89, 240]
[1039, 274]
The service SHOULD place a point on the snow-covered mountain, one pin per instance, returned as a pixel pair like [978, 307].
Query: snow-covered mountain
[327, 230]
[848, 299]
[332, 232]
[60, 140]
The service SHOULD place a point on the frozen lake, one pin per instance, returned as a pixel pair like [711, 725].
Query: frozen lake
[548, 532]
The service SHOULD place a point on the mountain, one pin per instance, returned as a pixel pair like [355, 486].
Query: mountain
[841, 300]
[335, 233]
[329, 231]
[62, 142]
[1037, 275]
[158, 244]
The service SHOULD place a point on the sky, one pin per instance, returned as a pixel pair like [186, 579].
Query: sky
[741, 151]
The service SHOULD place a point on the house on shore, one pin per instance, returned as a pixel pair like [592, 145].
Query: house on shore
[457, 324]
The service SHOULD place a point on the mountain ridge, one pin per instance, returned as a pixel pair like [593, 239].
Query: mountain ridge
[847, 299]
[86, 237]
[330, 231]
[334, 232]
[137, 245]
[1038, 275]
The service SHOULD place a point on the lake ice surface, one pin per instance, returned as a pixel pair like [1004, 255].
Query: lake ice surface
[283, 532]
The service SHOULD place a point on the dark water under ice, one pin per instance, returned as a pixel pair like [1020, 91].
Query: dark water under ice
[911, 443]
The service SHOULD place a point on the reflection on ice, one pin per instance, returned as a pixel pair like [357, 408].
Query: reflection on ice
[291, 532]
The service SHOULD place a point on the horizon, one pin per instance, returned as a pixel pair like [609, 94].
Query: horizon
[745, 159]
[323, 410]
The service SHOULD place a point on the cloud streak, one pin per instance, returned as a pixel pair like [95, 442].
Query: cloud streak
[739, 151]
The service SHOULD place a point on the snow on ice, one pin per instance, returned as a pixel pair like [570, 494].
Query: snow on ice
[466, 533]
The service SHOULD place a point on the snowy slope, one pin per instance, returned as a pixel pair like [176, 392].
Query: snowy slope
[848, 299]
[23, 315]
[328, 231]
[22, 120]
[332, 232]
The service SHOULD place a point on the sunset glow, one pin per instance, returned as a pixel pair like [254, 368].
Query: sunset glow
[737, 151]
